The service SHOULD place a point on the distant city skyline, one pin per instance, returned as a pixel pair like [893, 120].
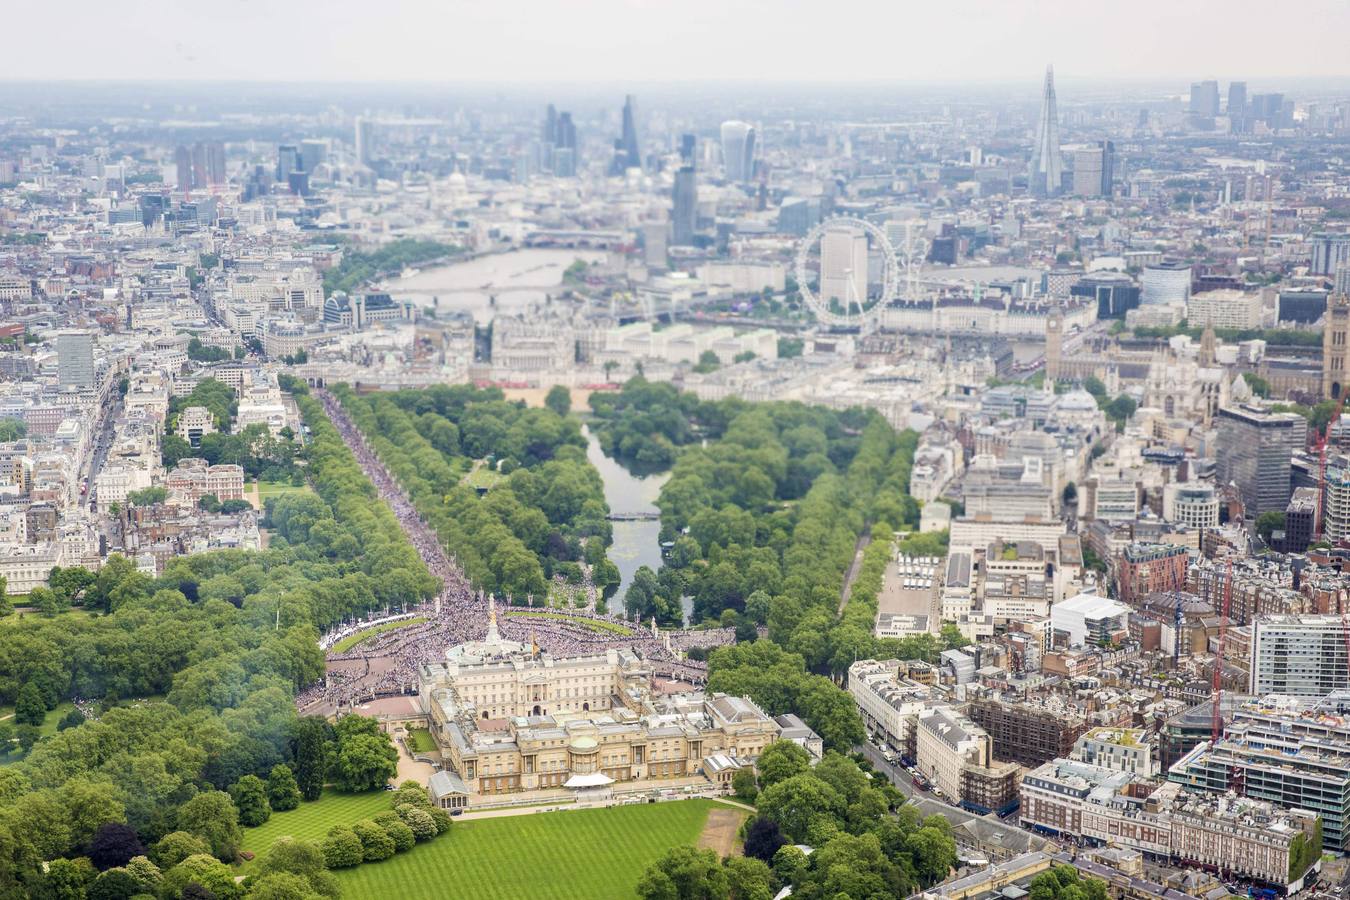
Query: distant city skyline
[414, 40]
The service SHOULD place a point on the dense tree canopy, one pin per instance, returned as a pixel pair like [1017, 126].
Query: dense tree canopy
[548, 511]
[194, 673]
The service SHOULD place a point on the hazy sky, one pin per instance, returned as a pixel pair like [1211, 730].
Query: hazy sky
[636, 41]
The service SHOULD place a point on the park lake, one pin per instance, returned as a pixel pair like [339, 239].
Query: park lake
[636, 543]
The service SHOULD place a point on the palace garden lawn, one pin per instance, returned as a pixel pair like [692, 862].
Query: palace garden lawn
[592, 853]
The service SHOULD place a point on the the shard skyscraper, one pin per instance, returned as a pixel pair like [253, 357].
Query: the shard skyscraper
[1047, 168]
[628, 142]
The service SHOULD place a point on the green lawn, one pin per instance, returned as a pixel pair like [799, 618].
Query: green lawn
[591, 853]
[421, 741]
[311, 821]
[54, 717]
[352, 640]
[483, 478]
[276, 489]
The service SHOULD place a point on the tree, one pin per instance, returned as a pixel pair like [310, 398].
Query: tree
[300, 859]
[203, 870]
[146, 873]
[45, 601]
[342, 849]
[114, 884]
[933, 853]
[211, 815]
[780, 761]
[250, 799]
[1269, 522]
[30, 708]
[952, 638]
[763, 839]
[707, 362]
[398, 831]
[280, 886]
[743, 785]
[559, 399]
[410, 793]
[685, 873]
[282, 791]
[114, 844]
[311, 756]
[441, 818]
[12, 430]
[72, 719]
[365, 762]
[66, 879]
[796, 803]
[1260, 386]
[1120, 409]
[147, 496]
[419, 820]
[27, 736]
[748, 878]
[376, 844]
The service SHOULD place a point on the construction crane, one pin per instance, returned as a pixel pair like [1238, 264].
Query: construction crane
[1217, 724]
[1320, 445]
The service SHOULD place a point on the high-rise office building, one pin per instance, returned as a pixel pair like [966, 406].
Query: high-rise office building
[199, 174]
[182, 160]
[288, 161]
[75, 360]
[550, 131]
[738, 150]
[199, 166]
[630, 153]
[564, 146]
[1335, 510]
[1204, 100]
[1108, 167]
[1267, 109]
[365, 134]
[1254, 452]
[1303, 656]
[215, 162]
[1341, 280]
[1088, 171]
[1165, 283]
[1045, 175]
[313, 154]
[843, 266]
[688, 147]
[1330, 251]
[1237, 105]
[654, 238]
[684, 207]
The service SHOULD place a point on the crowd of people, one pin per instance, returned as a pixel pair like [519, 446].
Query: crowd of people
[388, 663]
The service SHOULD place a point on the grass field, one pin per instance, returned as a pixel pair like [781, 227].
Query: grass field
[483, 478]
[311, 821]
[588, 624]
[591, 853]
[352, 640]
[54, 717]
[276, 489]
[421, 741]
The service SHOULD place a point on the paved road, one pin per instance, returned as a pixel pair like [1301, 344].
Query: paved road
[858, 549]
